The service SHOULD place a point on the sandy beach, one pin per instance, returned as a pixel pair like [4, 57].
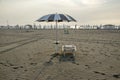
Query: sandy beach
[29, 55]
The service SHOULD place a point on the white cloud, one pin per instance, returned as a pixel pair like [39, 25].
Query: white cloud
[92, 2]
[89, 2]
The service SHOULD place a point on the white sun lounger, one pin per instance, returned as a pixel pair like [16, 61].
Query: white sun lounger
[69, 49]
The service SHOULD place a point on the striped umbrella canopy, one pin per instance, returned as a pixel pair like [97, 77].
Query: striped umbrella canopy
[56, 17]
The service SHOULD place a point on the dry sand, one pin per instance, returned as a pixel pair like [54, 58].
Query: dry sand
[29, 55]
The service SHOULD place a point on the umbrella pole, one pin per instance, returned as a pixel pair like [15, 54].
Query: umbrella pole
[56, 48]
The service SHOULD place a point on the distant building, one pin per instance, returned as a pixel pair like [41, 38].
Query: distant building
[88, 27]
[28, 26]
[108, 27]
[1, 27]
[119, 27]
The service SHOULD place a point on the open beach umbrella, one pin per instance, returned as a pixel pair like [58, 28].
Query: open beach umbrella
[56, 18]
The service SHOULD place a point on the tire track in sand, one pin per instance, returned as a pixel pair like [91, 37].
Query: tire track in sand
[27, 41]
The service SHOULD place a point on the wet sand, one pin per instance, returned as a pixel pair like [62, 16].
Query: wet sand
[30, 55]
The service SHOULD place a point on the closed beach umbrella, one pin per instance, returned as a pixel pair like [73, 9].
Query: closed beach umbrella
[56, 18]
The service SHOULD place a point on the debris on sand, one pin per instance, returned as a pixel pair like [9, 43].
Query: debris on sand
[15, 67]
[116, 75]
[99, 72]
[48, 63]
[87, 66]
[4, 64]
[33, 64]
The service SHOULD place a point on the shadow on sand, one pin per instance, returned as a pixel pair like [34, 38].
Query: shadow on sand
[67, 58]
[62, 58]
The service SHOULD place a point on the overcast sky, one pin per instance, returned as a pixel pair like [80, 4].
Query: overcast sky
[84, 11]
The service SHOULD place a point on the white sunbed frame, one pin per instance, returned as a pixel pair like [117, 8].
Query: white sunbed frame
[69, 49]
